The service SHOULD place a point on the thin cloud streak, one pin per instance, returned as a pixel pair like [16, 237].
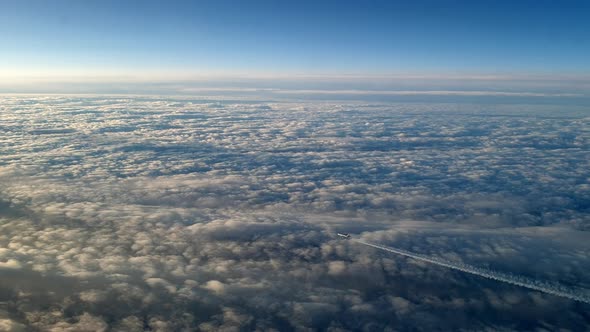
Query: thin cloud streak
[301, 84]
[428, 93]
[544, 287]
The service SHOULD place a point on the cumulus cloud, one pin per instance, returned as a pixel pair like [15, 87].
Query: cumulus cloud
[132, 214]
[11, 326]
[10, 264]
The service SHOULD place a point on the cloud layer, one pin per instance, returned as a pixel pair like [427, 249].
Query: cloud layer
[133, 214]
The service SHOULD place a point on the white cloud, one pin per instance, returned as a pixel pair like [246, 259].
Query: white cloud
[120, 213]
[11, 326]
[10, 264]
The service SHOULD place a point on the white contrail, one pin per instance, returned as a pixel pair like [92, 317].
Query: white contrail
[544, 287]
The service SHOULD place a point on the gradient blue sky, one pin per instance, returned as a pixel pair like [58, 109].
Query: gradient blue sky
[325, 37]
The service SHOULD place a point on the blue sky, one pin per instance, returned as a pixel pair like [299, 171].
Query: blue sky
[285, 37]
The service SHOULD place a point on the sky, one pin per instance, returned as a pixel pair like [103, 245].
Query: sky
[189, 39]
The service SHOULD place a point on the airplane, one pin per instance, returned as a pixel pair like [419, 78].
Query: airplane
[344, 235]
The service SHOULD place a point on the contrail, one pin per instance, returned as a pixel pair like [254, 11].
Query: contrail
[554, 289]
